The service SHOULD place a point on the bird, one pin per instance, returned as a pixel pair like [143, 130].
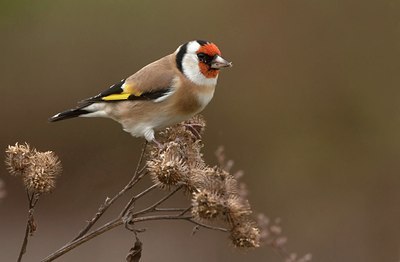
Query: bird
[163, 93]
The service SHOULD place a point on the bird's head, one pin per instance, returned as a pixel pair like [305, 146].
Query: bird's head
[200, 61]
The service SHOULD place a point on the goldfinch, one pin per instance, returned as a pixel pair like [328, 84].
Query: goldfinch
[165, 92]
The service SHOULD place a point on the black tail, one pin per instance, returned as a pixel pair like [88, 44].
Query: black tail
[68, 114]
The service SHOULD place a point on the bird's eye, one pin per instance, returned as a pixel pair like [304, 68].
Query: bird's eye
[204, 58]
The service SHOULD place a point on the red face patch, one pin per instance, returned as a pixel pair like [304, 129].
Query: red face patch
[211, 50]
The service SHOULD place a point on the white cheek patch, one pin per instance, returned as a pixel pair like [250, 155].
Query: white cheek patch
[191, 69]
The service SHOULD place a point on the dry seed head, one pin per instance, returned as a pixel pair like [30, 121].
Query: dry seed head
[207, 205]
[168, 169]
[198, 122]
[18, 158]
[193, 152]
[237, 208]
[245, 235]
[40, 176]
[215, 180]
[195, 177]
[189, 130]
[186, 135]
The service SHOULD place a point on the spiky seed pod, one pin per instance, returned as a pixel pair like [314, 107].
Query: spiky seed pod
[245, 235]
[186, 136]
[195, 174]
[41, 174]
[237, 209]
[18, 158]
[198, 123]
[215, 180]
[189, 130]
[193, 153]
[207, 205]
[168, 169]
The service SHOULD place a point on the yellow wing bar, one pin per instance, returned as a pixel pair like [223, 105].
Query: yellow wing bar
[116, 97]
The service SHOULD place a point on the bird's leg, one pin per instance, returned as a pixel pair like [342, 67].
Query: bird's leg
[149, 136]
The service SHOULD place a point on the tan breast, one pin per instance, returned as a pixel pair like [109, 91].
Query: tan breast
[190, 98]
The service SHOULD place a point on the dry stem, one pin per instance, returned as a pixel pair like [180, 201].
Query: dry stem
[127, 216]
[33, 198]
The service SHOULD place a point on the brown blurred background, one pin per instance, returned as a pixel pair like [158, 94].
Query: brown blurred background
[310, 111]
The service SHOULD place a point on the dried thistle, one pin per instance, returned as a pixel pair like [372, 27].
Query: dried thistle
[186, 135]
[18, 158]
[237, 208]
[245, 234]
[214, 179]
[168, 168]
[207, 205]
[215, 192]
[41, 174]
[38, 169]
[181, 156]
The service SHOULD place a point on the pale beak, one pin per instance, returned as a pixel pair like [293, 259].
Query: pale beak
[218, 63]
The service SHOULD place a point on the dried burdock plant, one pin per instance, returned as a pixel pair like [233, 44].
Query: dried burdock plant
[40, 175]
[39, 171]
[168, 168]
[18, 158]
[217, 200]
[245, 234]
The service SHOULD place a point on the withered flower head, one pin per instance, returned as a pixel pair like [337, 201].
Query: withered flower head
[215, 180]
[40, 176]
[245, 235]
[237, 208]
[189, 130]
[18, 158]
[198, 122]
[180, 156]
[207, 205]
[188, 135]
[168, 169]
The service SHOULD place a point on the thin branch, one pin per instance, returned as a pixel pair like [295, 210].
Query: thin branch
[108, 202]
[25, 241]
[119, 221]
[169, 209]
[112, 224]
[77, 242]
[185, 211]
[162, 200]
[140, 160]
[136, 197]
[32, 200]
[207, 226]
